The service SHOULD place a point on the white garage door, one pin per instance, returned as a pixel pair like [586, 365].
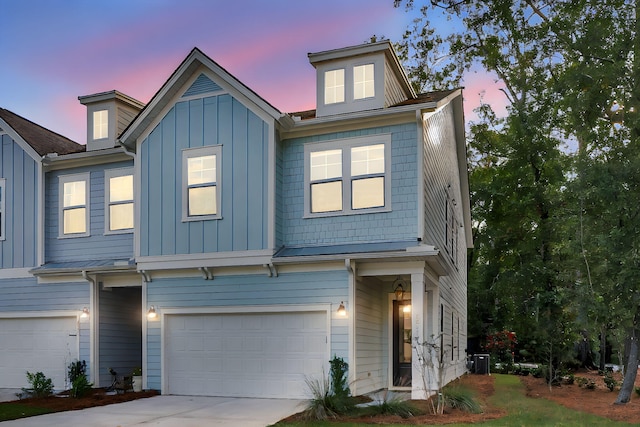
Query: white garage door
[46, 345]
[244, 355]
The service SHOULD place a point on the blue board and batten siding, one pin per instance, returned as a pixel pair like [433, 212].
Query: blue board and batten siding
[244, 137]
[325, 287]
[398, 224]
[19, 247]
[96, 246]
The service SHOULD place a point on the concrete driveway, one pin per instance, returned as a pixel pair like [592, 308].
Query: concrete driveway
[172, 411]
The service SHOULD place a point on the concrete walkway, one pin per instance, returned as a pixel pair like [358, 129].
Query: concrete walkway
[172, 411]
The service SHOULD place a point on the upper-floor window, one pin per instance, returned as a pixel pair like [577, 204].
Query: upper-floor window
[363, 81]
[201, 183]
[100, 124]
[348, 176]
[2, 208]
[334, 86]
[118, 200]
[74, 205]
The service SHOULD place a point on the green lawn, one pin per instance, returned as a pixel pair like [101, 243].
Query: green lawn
[522, 411]
[13, 411]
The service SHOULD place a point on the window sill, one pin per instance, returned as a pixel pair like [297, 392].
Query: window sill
[202, 218]
[73, 236]
[309, 215]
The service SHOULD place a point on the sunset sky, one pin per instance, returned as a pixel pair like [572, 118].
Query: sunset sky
[54, 51]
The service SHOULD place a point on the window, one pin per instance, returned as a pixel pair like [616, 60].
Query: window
[348, 176]
[74, 205]
[201, 183]
[2, 208]
[363, 82]
[119, 200]
[334, 86]
[100, 124]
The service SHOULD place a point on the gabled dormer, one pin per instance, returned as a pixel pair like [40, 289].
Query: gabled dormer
[108, 114]
[359, 78]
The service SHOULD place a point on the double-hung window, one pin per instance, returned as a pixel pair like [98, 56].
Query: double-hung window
[348, 176]
[119, 200]
[201, 183]
[74, 205]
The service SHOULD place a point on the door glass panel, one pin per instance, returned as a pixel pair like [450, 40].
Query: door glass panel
[402, 340]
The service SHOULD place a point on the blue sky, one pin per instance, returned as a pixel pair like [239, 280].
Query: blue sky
[56, 50]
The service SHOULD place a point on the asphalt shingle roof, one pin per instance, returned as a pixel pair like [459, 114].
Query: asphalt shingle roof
[42, 140]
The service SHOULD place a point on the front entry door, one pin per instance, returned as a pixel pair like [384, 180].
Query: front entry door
[402, 343]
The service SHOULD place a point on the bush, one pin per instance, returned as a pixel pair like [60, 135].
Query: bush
[80, 386]
[461, 398]
[637, 391]
[338, 371]
[609, 381]
[41, 386]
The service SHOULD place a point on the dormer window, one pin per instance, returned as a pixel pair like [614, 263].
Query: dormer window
[334, 86]
[100, 124]
[363, 81]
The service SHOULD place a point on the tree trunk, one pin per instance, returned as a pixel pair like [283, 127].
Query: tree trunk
[630, 372]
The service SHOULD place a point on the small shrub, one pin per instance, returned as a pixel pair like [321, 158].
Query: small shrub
[609, 381]
[80, 387]
[338, 371]
[41, 386]
[568, 379]
[461, 398]
[637, 391]
[581, 381]
[76, 369]
[591, 385]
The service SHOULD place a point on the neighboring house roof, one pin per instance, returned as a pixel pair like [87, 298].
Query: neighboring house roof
[423, 98]
[42, 140]
[180, 76]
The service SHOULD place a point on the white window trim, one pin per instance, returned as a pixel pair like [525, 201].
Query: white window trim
[72, 178]
[346, 145]
[345, 92]
[3, 210]
[114, 173]
[353, 71]
[93, 123]
[198, 152]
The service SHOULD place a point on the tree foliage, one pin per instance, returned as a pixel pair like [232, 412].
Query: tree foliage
[555, 183]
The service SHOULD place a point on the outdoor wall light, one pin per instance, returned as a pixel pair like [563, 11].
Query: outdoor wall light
[406, 308]
[151, 313]
[398, 288]
[85, 313]
[342, 311]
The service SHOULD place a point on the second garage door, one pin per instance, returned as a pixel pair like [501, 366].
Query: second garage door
[41, 344]
[244, 355]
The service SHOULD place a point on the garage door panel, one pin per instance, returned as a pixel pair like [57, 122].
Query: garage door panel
[252, 354]
[45, 344]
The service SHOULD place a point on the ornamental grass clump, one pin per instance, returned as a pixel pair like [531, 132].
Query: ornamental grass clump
[330, 397]
[456, 397]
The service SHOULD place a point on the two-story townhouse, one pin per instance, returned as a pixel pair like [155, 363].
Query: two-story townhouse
[262, 243]
[271, 242]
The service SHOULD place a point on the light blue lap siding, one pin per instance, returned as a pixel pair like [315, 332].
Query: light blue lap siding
[19, 247]
[97, 245]
[328, 287]
[399, 224]
[244, 137]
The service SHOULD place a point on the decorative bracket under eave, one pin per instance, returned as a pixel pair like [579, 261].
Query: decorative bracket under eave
[272, 270]
[145, 276]
[207, 274]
